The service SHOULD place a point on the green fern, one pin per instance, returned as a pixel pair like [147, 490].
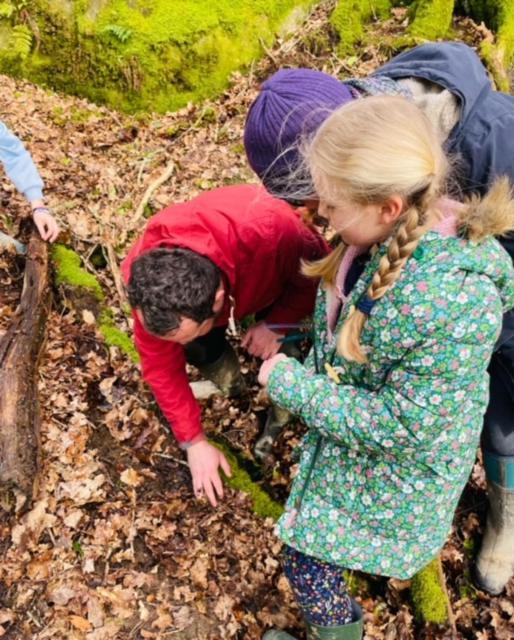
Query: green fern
[6, 9]
[22, 37]
[120, 33]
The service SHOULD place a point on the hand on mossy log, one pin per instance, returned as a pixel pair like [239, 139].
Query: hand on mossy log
[262, 504]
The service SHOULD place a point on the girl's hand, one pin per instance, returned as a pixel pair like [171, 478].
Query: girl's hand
[45, 223]
[267, 367]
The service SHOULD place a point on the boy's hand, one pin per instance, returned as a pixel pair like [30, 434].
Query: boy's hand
[261, 342]
[45, 223]
[204, 462]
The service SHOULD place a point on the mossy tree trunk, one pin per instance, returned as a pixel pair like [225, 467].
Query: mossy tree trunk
[20, 349]
[350, 16]
[498, 15]
[432, 20]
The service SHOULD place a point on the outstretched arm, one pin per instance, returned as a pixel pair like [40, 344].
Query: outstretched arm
[163, 365]
[21, 169]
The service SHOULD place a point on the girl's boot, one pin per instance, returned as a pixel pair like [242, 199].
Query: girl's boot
[276, 420]
[495, 563]
[277, 417]
[351, 631]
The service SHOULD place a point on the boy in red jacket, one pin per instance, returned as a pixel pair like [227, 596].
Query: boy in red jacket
[199, 266]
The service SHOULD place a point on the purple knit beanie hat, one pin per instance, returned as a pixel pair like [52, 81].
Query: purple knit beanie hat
[292, 104]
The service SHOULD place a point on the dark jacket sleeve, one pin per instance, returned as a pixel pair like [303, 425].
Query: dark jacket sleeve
[504, 353]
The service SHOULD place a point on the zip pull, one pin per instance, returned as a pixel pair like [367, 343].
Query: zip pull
[332, 373]
[232, 329]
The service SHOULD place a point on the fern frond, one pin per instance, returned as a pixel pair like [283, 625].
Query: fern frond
[120, 33]
[22, 38]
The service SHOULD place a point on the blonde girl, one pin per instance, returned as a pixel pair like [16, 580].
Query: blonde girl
[395, 388]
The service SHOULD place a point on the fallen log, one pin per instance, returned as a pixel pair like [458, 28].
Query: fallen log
[20, 349]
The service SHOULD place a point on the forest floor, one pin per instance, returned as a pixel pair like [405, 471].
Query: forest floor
[115, 546]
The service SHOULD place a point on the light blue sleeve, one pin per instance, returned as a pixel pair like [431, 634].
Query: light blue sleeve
[19, 165]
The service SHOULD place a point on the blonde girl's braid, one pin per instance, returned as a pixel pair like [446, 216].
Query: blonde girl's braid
[401, 247]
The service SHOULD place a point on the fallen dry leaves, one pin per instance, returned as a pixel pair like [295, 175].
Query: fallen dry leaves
[115, 546]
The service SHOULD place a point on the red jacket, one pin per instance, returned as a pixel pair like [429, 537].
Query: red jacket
[257, 242]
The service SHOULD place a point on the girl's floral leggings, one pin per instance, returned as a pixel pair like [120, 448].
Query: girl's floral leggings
[319, 588]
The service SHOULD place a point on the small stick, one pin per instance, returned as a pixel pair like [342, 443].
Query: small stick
[116, 274]
[451, 615]
[165, 175]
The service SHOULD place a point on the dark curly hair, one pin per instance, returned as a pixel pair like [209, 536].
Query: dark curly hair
[170, 284]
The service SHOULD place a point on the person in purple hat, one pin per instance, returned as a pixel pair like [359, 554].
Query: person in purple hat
[292, 104]
[475, 124]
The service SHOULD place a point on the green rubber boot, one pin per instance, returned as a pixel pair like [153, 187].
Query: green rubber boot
[495, 562]
[277, 417]
[351, 631]
[225, 373]
[276, 420]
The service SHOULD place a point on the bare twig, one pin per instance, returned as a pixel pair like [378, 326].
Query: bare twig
[165, 176]
[268, 52]
[167, 457]
[116, 274]
[451, 615]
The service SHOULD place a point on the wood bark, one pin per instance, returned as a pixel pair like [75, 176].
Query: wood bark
[20, 350]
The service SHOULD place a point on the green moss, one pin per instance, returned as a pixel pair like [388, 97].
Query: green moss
[493, 60]
[356, 582]
[153, 55]
[506, 30]
[470, 547]
[115, 337]
[428, 595]
[349, 18]
[432, 19]
[498, 15]
[262, 504]
[68, 270]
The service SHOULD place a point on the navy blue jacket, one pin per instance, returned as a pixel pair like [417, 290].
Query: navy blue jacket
[483, 139]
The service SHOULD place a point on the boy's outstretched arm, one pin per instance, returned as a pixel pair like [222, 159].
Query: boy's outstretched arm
[21, 169]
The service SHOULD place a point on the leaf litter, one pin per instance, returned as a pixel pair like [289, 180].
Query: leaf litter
[114, 545]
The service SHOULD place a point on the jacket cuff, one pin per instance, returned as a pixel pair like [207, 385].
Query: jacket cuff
[288, 387]
[189, 443]
[33, 193]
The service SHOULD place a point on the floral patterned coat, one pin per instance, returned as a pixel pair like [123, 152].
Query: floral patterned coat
[390, 448]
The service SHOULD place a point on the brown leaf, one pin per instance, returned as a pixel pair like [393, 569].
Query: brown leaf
[131, 477]
[80, 623]
[199, 572]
